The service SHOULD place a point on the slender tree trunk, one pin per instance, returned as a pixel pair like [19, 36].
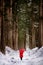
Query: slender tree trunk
[25, 40]
[16, 32]
[15, 26]
[41, 24]
[13, 35]
[2, 29]
[33, 35]
[30, 37]
[9, 24]
[9, 33]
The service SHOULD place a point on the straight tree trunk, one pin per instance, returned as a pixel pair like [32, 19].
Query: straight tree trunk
[9, 24]
[2, 29]
[15, 26]
[41, 24]
[33, 36]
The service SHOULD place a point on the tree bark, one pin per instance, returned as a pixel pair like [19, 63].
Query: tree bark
[41, 23]
[2, 45]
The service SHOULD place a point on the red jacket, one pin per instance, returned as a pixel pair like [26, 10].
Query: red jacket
[21, 52]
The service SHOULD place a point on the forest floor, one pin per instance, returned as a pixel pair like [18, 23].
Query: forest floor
[30, 57]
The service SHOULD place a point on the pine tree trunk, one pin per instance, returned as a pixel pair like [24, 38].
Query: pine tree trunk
[41, 24]
[2, 29]
[16, 32]
[33, 35]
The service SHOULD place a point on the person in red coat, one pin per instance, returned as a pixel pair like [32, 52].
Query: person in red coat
[21, 53]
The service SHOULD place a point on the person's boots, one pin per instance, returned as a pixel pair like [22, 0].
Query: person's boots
[21, 58]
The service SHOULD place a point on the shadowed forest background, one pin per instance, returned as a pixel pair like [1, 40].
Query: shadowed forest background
[21, 24]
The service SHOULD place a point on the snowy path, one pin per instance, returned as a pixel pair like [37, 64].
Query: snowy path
[30, 57]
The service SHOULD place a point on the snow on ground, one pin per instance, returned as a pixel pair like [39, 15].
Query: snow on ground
[30, 57]
[30, 53]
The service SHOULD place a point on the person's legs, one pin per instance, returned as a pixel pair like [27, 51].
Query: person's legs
[21, 58]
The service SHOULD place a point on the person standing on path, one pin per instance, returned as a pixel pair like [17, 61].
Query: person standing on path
[21, 51]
